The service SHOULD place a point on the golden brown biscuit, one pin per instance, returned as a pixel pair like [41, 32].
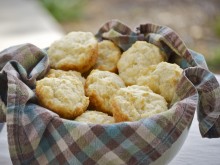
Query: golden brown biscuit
[100, 86]
[95, 117]
[61, 74]
[65, 97]
[75, 51]
[135, 102]
[137, 58]
[162, 79]
[108, 56]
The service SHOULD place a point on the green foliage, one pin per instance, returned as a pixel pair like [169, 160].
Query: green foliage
[214, 62]
[216, 26]
[65, 10]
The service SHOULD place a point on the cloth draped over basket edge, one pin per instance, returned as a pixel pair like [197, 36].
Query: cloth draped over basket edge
[169, 42]
[38, 135]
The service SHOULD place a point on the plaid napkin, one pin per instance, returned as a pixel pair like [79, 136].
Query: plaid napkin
[38, 136]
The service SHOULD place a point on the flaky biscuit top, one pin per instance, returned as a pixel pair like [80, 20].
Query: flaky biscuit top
[100, 87]
[137, 58]
[75, 51]
[162, 79]
[136, 102]
[65, 96]
[95, 117]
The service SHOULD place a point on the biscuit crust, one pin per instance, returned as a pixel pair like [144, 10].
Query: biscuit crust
[62, 74]
[162, 79]
[63, 96]
[108, 56]
[136, 59]
[95, 117]
[135, 102]
[100, 86]
[75, 51]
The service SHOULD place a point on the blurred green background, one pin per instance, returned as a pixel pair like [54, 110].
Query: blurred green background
[65, 10]
[196, 21]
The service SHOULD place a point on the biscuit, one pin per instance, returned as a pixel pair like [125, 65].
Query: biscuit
[162, 79]
[62, 74]
[137, 58]
[95, 117]
[64, 96]
[100, 86]
[75, 51]
[135, 102]
[108, 56]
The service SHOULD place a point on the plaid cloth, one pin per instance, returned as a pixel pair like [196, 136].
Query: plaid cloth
[38, 136]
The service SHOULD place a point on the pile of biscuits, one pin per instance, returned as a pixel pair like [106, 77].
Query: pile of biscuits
[95, 82]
